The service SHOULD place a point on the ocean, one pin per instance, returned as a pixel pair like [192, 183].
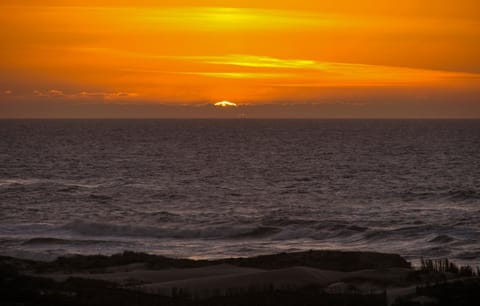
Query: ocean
[227, 188]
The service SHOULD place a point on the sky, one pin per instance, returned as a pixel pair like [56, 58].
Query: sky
[311, 58]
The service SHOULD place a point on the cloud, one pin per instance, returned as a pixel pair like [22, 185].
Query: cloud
[240, 75]
[256, 61]
[298, 72]
[55, 93]
[106, 95]
[305, 72]
[49, 93]
[8, 92]
[312, 73]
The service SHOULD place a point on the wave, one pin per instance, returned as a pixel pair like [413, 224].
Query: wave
[223, 231]
[260, 231]
[425, 239]
[164, 216]
[463, 194]
[377, 235]
[49, 240]
[469, 255]
[452, 195]
[84, 235]
[65, 185]
[286, 221]
[18, 182]
[100, 197]
[442, 239]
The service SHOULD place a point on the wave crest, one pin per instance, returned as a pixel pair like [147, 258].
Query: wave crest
[214, 232]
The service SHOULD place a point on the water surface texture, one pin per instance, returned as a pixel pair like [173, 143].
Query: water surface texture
[216, 188]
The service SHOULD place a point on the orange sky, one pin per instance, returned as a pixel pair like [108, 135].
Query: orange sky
[249, 52]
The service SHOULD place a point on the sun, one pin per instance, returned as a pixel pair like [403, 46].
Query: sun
[225, 104]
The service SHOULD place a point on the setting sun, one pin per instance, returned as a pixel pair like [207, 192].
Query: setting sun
[225, 104]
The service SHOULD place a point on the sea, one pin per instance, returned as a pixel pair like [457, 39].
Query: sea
[237, 188]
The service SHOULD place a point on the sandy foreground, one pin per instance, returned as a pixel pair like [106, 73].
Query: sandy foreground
[385, 277]
[224, 279]
[335, 271]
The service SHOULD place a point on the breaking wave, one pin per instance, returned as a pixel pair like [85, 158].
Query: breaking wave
[59, 241]
[213, 232]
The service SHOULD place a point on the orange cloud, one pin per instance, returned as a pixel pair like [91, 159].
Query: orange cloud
[106, 95]
[54, 93]
[49, 93]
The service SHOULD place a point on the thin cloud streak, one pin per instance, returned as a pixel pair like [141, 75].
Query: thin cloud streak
[240, 75]
[55, 93]
[305, 68]
[308, 72]
[255, 61]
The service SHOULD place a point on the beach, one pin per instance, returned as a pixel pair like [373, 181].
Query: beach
[299, 278]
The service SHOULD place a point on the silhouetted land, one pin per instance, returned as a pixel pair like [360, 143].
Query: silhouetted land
[331, 260]
[364, 278]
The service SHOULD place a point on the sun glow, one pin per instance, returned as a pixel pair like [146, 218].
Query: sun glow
[225, 104]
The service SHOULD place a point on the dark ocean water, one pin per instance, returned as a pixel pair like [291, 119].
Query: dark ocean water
[213, 188]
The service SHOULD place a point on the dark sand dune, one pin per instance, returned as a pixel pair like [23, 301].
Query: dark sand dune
[354, 278]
